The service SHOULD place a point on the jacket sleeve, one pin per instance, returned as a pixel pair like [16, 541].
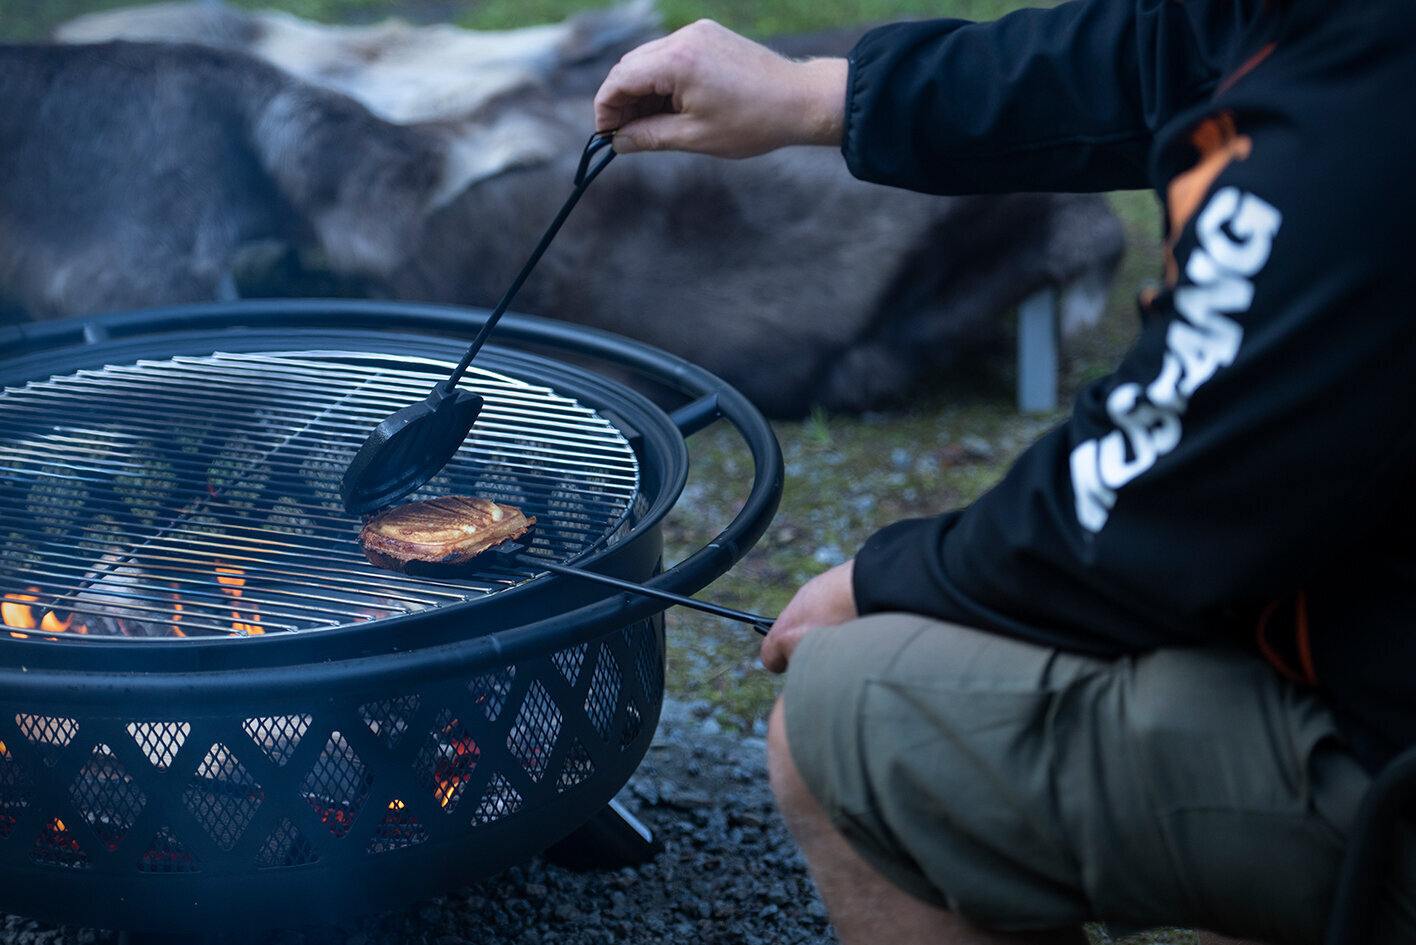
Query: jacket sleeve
[1255, 439]
[1040, 100]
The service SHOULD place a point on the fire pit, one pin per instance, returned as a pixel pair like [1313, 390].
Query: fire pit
[214, 712]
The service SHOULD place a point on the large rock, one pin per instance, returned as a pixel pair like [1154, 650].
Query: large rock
[213, 151]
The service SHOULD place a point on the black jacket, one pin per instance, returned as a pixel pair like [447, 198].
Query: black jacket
[1247, 472]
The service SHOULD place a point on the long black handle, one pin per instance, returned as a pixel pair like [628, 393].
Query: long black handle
[586, 172]
[759, 623]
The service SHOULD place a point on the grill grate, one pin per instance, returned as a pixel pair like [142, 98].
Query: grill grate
[199, 496]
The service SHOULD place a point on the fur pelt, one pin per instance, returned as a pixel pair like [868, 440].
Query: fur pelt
[135, 174]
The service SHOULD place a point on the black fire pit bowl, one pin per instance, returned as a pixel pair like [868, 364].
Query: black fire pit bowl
[198, 784]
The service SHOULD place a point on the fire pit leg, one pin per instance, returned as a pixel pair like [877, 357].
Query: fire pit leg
[612, 839]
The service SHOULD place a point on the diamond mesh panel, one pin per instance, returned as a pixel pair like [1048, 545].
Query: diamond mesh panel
[578, 766]
[388, 718]
[398, 830]
[445, 770]
[286, 846]
[500, 800]
[490, 691]
[48, 735]
[337, 786]
[167, 854]
[569, 662]
[448, 760]
[603, 696]
[16, 789]
[108, 796]
[534, 734]
[57, 846]
[277, 736]
[159, 740]
[223, 796]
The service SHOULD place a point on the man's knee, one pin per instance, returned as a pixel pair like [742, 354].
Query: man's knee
[787, 784]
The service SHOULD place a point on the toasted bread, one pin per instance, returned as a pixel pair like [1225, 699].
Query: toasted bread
[447, 530]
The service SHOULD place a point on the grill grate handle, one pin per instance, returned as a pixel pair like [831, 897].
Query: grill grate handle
[517, 552]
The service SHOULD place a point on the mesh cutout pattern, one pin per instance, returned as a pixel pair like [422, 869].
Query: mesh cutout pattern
[160, 741]
[603, 694]
[632, 724]
[500, 800]
[398, 830]
[490, 691]
[448, 760]
[57, 846]
[286, 846]
[337, 786]
[649, 664]
[277, 735]
[535, 731]
[16, 789]
[223, 796]
[388, 718]
[166, 854]
[578, 766]
[49, 735]
[474, 762]
[569, 662]
[109, 797]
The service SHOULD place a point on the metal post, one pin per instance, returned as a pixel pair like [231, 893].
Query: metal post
[1037, 351]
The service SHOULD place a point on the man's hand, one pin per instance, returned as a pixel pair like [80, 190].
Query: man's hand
[709, 90]
[824, 601]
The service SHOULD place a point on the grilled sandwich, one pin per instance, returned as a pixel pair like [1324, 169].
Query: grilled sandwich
[447, 530]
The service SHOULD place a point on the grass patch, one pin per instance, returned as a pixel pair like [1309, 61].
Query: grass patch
[25, 20]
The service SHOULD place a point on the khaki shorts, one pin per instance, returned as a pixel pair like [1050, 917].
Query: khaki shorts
[1023, 788]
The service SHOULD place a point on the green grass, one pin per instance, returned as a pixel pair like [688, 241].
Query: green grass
[750, 16]
[26, 20]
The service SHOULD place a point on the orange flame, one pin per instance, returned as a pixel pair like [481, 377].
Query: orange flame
[16, 611]
[231, 581]
[452, 772]
[21, 611]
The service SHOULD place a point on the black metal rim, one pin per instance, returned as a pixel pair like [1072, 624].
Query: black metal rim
[547, 613]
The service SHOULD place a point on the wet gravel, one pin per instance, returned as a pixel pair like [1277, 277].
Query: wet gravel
[727, 873]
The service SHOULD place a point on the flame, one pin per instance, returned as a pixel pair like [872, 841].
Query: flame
[454, 770]
[16, 611]
[53, 623]
[231, 581]
[22, 610]
[176, 613]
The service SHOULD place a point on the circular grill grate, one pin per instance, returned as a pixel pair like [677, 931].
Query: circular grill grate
[199, 496]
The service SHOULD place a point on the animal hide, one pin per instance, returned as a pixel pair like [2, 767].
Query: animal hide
[424, 162]
[130, 174]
